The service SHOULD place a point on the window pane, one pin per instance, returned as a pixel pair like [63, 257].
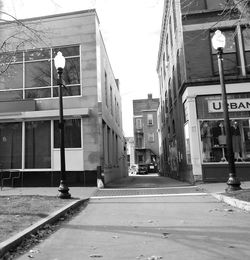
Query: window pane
[67, 51]
[71, 72]
[11, 145]
[38, 93]
[11, 57]
[230, 42]
[246, 39]
[67, 91]
[218, 4]
[12, 78]
[213, 140]
[72, 133]
[11, 95]
[37, 74]
[37, 145]
[229, 62]
[37, 54]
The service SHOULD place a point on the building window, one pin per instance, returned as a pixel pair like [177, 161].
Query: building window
[11, 145]
[151, 137]
[32, 74]
[187, 143]
[37, 144]
[138, 123]
[72, 133]
[218, 4]
[106, 88]
[229, 54]
[140, 159]
[111, 100]
[150, 119]
[213, 140]
[246, 41]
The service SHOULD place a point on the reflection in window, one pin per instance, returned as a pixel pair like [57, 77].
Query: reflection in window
[72, 133]
[11, 145]
[71, 72]
[229, 55]
[38, 54]
[12, 78]
[213, 140]
[37, 144]
[38, 93]
[219, 4]
[246, 40]
[37, 74]
[67, 91]
[38, 68]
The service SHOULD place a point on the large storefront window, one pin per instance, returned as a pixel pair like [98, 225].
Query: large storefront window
[72, 133]
[37, 144]
[11, 145]
[213, 140]
[32, 74]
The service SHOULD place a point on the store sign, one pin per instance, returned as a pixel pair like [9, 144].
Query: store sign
[234, 105]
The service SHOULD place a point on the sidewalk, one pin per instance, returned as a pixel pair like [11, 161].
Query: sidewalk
[217, 190]
[143, 228]
[239, 199]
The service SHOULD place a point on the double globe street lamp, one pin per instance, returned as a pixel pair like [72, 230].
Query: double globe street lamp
[63, 188]
[219, 42]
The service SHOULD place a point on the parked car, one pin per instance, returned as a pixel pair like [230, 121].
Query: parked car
[142, 169]
[152, 168]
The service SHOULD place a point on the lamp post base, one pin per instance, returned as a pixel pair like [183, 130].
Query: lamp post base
[63, 191]
[233, 183]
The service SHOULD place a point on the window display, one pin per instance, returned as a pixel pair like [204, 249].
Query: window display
[213, 140]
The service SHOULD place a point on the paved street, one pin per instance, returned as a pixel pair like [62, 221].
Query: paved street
[179, 222]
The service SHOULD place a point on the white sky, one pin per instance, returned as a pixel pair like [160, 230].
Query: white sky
[131, 32]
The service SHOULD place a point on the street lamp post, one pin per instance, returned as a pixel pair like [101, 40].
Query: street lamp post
[219, 42]
[63, 188]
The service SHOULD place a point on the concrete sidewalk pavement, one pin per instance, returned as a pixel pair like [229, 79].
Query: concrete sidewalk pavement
[150, 228]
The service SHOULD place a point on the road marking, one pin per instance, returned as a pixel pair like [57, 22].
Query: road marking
[150, 195]
[156, 188]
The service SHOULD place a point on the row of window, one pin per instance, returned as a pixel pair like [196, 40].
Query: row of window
[110, 146]
[138, 121]
[37, 142]
[139, 140]
[32, 74]
[111, 100]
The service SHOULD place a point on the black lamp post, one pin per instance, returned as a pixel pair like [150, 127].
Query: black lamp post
[219, 42]
[63, 188]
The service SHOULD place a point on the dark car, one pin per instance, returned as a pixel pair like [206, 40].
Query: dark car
[142, 169]
[152, 168]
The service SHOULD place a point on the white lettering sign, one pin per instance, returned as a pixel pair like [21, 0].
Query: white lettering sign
[234, 105]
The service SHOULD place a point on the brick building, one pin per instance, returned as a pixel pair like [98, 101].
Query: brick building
[29, 109]
[145, 130]
[192, 132]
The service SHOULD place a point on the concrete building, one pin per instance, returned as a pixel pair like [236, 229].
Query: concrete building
[145, 130]
[29, 109]
[192, 131]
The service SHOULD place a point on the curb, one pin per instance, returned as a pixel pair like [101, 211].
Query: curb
[232, 201]
[13, 241]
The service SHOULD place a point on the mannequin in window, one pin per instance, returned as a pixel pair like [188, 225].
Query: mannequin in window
[222, 140]
[206, 141]
[236, 139]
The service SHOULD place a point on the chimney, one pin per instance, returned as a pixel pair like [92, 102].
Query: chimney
[149, 96]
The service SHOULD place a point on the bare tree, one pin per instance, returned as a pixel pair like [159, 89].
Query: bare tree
[21, 35]
[243, 7]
